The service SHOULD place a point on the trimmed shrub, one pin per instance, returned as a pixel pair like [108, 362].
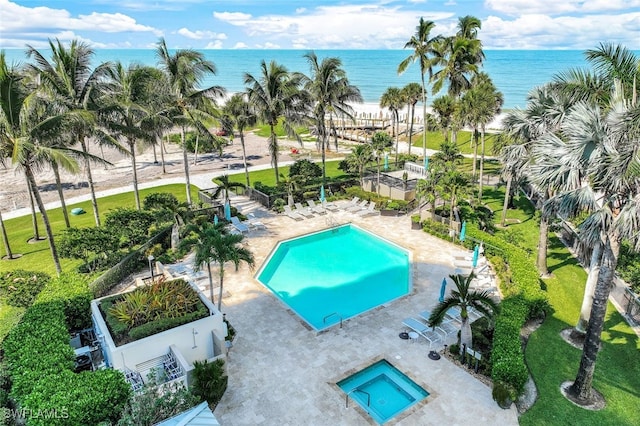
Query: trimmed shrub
[161, 325]
[20, 287]
[40, 361]
[131, 225]
[209, 380]
[306, 169]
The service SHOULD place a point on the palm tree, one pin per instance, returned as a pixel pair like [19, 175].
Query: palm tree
[186, 69]
[5, 240]
[445, 108]
[360, 156]
[330, 91]
[125, 108]
[411, 93]
[240, 115]
[423, 48]
[380, 143]
[224, 186]
[274, 95]
[71, 82]
[220, 247]
[513, 158]
[22, 126]
[464, 298]
[393, 100]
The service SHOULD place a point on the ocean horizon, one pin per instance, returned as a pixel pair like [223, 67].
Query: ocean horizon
[514, 72]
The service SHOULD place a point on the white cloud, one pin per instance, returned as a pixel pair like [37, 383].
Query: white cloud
[18, 19]
[267, 45]
[538, 31]
[201, 35]
[217, 44]
[343, 26]
[525, 7]
[240, 45]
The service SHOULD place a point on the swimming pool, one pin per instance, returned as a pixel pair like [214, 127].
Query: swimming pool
[335, 274]
[382, 391]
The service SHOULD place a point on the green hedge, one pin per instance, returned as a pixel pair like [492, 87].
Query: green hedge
[161, 325]
[40, 361]
[523, 299]
[20, 287]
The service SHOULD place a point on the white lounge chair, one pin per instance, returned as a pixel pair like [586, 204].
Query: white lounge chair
[346, 204]
[316, 208]
[300, 209]
[235, 222]
[369, 210]
[359, 206]
[254, 222]
[293, 215]
[424, 331]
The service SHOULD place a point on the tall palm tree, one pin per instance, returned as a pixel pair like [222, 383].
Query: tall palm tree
[224, 186]
[380, 143]
[411, 94]
[393, 100]
[514, 159]
[330, 91]
[219, 247]
[464, 297]
[240, 115]
[125, 108]
[360, 156]
[22, 126]
[186, 69]
[5, 240]
[422, 45]
[276, 95]
[444, 108]
[69, 79]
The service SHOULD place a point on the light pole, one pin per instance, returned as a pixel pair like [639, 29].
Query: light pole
[151, 259]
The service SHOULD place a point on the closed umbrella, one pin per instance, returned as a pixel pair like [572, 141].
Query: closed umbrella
[322, 197]
[227, 211]
[215, 219]
[443, 288]
[476, 252]
[426, 163]
[463, 230]
[386, 161]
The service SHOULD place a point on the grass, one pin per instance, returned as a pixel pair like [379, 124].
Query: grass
[435, 139]
[551, 360]
[268, 177]
[37, 257]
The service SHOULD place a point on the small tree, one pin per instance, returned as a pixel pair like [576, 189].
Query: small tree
[88, 244]
[305, 169]
[464, 298]
[380, 143]
[209, 380]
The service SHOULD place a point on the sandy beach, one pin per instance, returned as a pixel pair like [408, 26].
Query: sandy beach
[14, 195]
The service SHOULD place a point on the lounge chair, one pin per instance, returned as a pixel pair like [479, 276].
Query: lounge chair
[330, 206]
[254, 222]
[369, 210]
[293, 215]
[346, 204]
[359, 206]
[300, 209]
[316, 208]
[235, 222]
[424, 331]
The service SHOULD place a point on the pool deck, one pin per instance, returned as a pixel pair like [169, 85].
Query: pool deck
[283, 373]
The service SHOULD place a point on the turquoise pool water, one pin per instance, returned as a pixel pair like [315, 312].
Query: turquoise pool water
[382, 390]
[336, 274]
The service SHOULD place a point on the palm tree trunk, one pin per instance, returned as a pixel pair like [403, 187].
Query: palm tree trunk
[162, 148]
[397, 134]
[63, 205]
[45, 218]
[87, 166]
[481, 164]
[581, 388]
[5, 238]
[506, 201]
[474, 138]
[413, 110]
[221, 282]
[34, 217]
[195, 158]
[273, 150]
[424, 118]
[210, 281]
[186, 164]
[465, 334]
[244, 158]
[543, 242]
[155, 154]
[589, 289]
[378, 184]
[136, 194]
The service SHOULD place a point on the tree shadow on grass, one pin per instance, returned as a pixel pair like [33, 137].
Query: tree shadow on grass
[558, 251]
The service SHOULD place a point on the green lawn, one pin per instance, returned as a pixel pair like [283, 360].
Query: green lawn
[552, 361]
[268, 177]
[435, 139]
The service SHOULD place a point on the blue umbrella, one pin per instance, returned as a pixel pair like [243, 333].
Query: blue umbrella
[443, 287]
[386, 161]
[322, 197]
[476, 252]
[463, 230]
[215, 219]
[426, 163]
[227, 210]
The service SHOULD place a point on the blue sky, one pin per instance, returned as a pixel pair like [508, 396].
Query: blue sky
[323, 24]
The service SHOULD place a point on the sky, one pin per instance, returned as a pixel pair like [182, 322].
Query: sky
[321, 24]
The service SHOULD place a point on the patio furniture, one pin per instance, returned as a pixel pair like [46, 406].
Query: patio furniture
[369, 210]
[359, 206]
[239, 226]
[293, 215]
[300, 209]
[316, 208]
[424, 331]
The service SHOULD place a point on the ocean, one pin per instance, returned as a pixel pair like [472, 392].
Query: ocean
[514, 72]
